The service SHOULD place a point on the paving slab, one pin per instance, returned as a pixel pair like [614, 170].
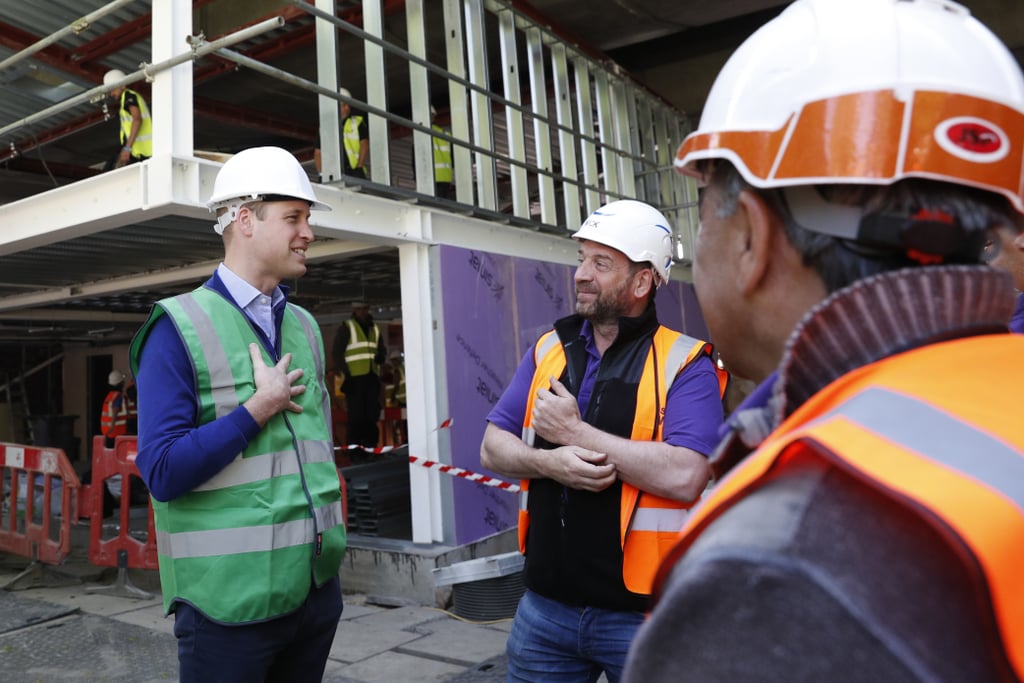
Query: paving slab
[84, 647]
[394, 667]
[355, 641]
[456, 641]
[20, 612]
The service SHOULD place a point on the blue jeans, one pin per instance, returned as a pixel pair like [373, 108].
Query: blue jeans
[289, 649]
[554, 642]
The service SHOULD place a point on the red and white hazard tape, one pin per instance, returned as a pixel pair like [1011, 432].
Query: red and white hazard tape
[465, 474]
[377, 450]
[447, 469]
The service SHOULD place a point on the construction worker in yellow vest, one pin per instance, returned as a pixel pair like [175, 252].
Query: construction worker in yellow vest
[443, 169]
[136, 132]
[359, 352]
[355, 141]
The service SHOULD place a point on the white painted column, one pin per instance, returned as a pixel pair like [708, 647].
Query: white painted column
[426, 388]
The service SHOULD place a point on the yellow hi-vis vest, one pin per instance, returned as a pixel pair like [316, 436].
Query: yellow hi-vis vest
[143, 145]
[648, 524]
[442, 157]
[945, 444]
[361, 352]
[350, 139]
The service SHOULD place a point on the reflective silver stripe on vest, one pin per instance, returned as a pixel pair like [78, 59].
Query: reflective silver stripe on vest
[233, 541]
[223, 382]
[919, 427]
[263, 467]
[544, 346]
[677, 354]
[314, 345]
[658, 519]
[329, 516]
[217, 542]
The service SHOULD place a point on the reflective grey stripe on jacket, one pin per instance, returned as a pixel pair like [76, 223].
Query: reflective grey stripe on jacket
[263, 467]
[658, 519]
[677, 358]
[943, 438]
[232, 541]
[310, 332]
[224, 397]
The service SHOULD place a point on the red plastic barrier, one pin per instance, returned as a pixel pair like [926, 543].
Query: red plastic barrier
[123, 550]
[25, 529]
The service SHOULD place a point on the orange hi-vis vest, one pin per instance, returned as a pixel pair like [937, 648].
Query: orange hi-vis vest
[648, 524]
[937, 429]
[117, 409]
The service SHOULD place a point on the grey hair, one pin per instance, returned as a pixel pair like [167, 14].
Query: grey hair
[841, 262]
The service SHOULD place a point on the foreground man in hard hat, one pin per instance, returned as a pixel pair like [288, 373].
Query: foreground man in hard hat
[855, 157]
[136, 130]
[607, 421]
[235, 444]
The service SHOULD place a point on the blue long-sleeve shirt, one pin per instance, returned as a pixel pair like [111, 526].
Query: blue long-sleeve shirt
[176, 453]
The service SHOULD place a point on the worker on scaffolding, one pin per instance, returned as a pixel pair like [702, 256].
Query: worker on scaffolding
[136, 131]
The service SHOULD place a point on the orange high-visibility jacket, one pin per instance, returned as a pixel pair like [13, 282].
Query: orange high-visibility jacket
[648, 524]
[938, 429]
[117, 408]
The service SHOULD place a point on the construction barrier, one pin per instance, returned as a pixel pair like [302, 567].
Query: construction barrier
[34, 525]
[122, 550]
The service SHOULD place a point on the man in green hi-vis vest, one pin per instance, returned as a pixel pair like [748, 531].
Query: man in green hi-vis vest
[236, 447]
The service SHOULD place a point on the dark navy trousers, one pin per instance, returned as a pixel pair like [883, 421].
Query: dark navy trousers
[289, 649]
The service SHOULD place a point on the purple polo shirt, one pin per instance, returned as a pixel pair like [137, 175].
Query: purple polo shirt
[1017, 321]
[693, 407]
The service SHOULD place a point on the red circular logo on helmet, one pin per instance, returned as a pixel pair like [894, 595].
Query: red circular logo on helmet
[972, 139]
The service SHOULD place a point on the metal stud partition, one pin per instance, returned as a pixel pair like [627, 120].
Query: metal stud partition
[542, 131]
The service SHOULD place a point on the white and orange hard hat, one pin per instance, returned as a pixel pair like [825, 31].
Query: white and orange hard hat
[868, 92]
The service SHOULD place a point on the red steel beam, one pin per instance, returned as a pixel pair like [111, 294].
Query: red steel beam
[82, 62]
[261, 121]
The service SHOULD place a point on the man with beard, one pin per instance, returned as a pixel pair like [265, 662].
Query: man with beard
[607, 422]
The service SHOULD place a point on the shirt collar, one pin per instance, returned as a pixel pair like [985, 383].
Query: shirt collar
[242, 292]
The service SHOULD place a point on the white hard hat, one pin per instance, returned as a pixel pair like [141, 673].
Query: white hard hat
[638, 230]
[113, 76]
[344, 93]
[259, 174]
[115, 377]
[867, 92]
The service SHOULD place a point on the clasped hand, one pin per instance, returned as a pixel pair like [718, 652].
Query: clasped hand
[556, 418]
[276, 382]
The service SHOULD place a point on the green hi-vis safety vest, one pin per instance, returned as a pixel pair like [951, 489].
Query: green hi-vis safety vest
[442, 158]
[143, 145]
[243, 546]
[361, 352]
[350, 139]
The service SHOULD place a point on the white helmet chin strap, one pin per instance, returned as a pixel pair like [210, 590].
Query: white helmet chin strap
[233, 206]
